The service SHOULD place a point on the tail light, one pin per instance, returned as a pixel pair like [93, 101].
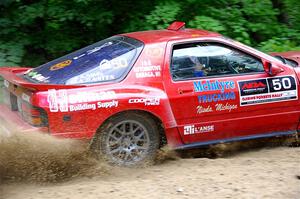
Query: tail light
[16, 99]
[35, 116]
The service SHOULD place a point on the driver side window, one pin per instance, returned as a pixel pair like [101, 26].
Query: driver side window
[195, 60]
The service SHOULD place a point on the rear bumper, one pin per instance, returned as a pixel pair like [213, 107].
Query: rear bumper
[10, 121]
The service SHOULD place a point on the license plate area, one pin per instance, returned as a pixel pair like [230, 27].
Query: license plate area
[5, 98]
[13, 102]
[9, 99]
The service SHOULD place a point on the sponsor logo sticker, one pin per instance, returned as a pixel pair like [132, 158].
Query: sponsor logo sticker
[145, 101]
[154, 52]
[223, 90]
[60, 100]
[61, 65]
[147, 69]
[267, 90]
[193, 129]
[203, 109]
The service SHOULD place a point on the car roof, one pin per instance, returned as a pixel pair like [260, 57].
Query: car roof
[154, 36]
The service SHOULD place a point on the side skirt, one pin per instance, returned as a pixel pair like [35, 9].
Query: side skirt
[235, 139]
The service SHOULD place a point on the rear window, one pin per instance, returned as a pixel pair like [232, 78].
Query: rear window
[107, 60]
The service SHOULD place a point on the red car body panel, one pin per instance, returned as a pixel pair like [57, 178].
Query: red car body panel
[174, 103]
[293, 55]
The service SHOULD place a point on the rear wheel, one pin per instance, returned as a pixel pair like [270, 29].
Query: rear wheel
[128, 139]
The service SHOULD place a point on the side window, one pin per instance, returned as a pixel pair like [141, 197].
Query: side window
[210, 59]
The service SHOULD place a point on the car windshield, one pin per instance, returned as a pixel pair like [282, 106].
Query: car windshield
[107, 60]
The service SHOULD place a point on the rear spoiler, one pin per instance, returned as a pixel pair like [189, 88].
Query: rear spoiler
[11, 75]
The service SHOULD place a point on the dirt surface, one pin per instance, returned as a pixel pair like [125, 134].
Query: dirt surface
[39, 166]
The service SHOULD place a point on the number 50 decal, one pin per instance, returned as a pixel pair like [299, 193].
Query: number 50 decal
[282, 83]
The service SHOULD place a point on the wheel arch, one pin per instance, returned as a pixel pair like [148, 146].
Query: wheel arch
[157, 119]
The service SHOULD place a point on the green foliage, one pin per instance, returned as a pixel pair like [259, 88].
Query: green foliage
[207, 23]
[278, 45]
[34, 32]
[162, 15]
[11, 54]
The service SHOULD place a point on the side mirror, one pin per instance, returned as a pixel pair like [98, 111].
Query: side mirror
[272, 69]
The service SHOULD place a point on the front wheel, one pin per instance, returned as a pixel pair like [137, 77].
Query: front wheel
[128, 139]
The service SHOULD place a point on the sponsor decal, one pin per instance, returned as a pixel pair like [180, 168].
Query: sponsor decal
[145, 101]
[225, 107]
[96, 49]
[223, 87]
[80, 107]
[253, 87]
[99, 47]
[61, 65]
[109, 104]
[154, 52]
[193, 129]
[113, 64]
[60, 100]
[90, 77]
[147, 70]
[81, 97]
[37, 76]
[218, 107]
[32, 73]
[201, 109]
[267, 90]
[28, 71]
[93, 106]
[216, 97]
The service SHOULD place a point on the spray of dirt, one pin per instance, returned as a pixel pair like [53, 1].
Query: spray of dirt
[165, 154]
[232, 149]
[39, 158]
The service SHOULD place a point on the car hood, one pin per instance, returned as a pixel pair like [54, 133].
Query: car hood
[292, 55]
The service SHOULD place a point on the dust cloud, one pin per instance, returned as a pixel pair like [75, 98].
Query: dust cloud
[35, 165]
[37, 157]
[41, 158]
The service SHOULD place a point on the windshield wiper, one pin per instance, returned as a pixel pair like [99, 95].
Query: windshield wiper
[283, 60]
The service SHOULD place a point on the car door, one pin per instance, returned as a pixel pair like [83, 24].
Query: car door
[220, 92]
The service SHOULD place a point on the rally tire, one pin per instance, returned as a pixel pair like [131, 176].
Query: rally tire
[128, 139]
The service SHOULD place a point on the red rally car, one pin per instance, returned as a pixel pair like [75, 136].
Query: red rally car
[132, 93]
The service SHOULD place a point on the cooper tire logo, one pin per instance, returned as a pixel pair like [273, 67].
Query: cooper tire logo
[146, 101]
[61, 65]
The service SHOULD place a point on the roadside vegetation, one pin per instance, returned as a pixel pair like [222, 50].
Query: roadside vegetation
[34, 32]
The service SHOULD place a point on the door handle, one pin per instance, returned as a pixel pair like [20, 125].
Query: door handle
[185, 90]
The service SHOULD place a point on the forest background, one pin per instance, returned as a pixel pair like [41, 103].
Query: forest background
[35, 32]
